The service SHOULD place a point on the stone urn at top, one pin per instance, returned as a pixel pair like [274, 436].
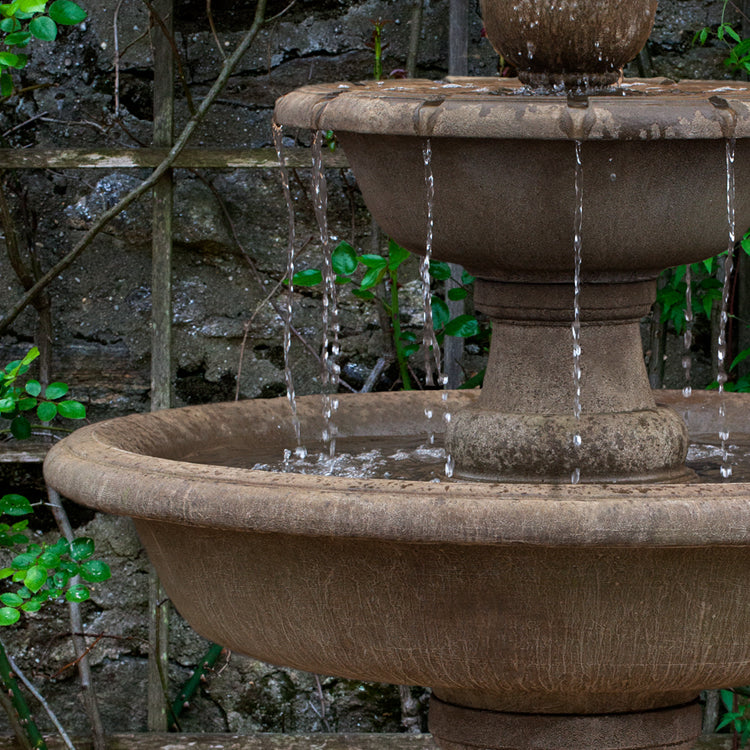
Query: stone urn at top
[568, 42]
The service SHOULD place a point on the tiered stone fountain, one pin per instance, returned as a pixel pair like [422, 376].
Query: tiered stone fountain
[544, 615]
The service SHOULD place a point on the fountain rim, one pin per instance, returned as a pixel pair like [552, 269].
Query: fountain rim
[92, 467]
[472, 108]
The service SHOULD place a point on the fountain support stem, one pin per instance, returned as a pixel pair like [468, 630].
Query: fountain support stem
[522, 426]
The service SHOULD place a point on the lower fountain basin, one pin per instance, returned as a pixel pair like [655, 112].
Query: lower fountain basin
[534, 599]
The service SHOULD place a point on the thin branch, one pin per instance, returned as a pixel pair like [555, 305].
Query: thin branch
[416, 32]
[42, 702]
[147, 184]
[24, 124]
[210, 17]
[175, 53]
[76, 625]
[116, 57]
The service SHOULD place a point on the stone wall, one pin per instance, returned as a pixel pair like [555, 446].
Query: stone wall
[229, 257]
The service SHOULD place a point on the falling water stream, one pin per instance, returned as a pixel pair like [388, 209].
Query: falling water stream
[721, 354]
[331, 369]
[687, 336]
[576, 326]
[278, 139]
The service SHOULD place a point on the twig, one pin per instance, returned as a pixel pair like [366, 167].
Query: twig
[175, 52]
[33, 738]
[77, 660]
[147, 184]
[15, 723]
[322, 700]
[23, 124]
[416, 32]
[375, 374]
[42, 702]
[246, 332]
[211, 24]
[76, 625]
[116, 55]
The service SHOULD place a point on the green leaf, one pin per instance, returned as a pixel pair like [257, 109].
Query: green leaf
[467, 278]
[23, 561]
[308, 277]
[15, 505]
[66, 12]
[49, 559]
[32, 6]
[20, 428]
[32, 606]
[95, 570]
[26, 404]
[30, 356]
[373, 261]
[372, 278]
[36, 577]
[33, 388]
[56, 390]
[462, 326]
[77, 593]
[46, 411]
[44, 28]
[440, 313]
[8, 25]
[363, 294]
[11, 60]
[11, 600]
[81, 548]
[9, 616]
[7, 405]
[71, 409]
[6, 573]
[396, 255]
[6, 84]
[439, 271]
[17, 39]
[457, 294]
[344, 259]
[474, 381]
[741, 357]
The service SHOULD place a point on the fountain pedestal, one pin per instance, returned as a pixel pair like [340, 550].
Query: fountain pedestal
[523, 428]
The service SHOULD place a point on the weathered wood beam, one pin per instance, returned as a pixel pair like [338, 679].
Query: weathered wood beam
[159, 741]
[133, 158]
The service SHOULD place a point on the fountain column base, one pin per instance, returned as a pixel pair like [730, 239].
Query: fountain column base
[524, 425]
[461, 728]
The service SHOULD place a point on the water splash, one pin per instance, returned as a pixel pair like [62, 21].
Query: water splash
[687, 336]
[576, 326]
[721, 353]
[278, 140]
[331, 370]
[429, 340]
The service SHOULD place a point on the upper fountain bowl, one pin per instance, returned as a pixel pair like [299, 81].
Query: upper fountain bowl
[571, 43]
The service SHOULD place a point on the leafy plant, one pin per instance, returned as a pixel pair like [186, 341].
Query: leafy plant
[375, 278]
[738, 49]
[18, 401]
[737, 715]
[36, 573]
[24, 20]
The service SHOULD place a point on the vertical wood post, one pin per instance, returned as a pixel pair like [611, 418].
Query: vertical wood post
[161, 333]
[458, 65]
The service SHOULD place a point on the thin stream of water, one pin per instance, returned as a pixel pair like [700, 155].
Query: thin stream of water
[576, 326]
[331, 370]
[721, 354]
[687, 336]
[278, 140]
[429, 340]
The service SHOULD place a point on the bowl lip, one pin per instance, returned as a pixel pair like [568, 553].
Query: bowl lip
[92, 467]
[469, 107]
